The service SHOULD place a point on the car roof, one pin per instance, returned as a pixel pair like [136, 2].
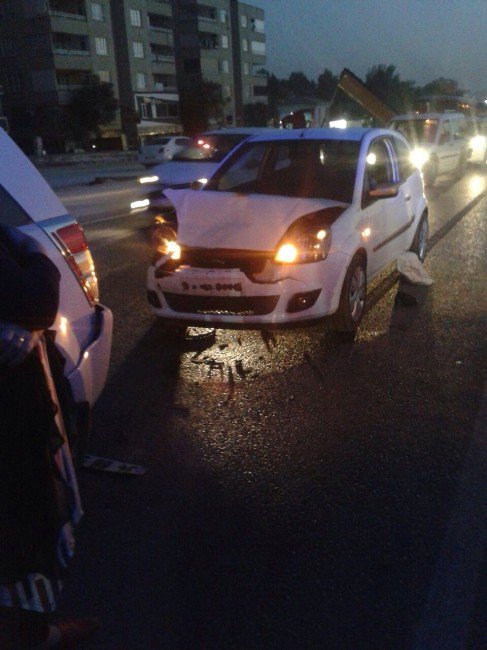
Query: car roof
[428, 116]
[243, 130]
[355, 134]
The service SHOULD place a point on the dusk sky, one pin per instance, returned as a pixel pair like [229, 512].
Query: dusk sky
[424, 39]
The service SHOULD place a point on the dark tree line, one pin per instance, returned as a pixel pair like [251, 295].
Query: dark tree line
[382, 80]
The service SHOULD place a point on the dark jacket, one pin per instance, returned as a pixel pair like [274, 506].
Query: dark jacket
[31, 492]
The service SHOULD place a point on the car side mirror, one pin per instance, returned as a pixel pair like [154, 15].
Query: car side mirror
[384, 191]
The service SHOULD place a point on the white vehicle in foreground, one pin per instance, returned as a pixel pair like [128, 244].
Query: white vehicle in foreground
[438, 140]
[83, 325]
[196, 163]
[162, 148]
[289, 231]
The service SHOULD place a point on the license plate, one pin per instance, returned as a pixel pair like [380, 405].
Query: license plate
[215, 284]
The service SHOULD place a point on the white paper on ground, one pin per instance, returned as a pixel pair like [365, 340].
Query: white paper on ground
[241, 221]
[410, 266]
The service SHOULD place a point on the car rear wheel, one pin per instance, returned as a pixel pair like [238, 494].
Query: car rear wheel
[461, 167]
[420, 241]
[352, 299]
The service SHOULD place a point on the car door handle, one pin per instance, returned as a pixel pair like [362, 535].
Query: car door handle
[407, 197]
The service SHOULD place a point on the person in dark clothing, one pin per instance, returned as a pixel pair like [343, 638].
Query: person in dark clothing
[39, 500]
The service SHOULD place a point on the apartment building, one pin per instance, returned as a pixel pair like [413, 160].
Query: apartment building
[222, 41]
[144, 39]
[48, 49]
[148, 49]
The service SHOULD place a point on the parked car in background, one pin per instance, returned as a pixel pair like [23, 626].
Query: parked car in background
[289, 230]
[438, 140]
[83, 326]
[196, 162]
[157, 150]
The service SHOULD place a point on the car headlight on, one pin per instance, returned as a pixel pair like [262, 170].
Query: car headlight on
[304, 247]
[148, 179]
[478, 143]
[419, 157]
[164, 241]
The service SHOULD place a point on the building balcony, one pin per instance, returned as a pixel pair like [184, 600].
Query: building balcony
[70, 9]
[62, 51]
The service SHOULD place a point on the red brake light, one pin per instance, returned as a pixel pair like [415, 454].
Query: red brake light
[73, 238]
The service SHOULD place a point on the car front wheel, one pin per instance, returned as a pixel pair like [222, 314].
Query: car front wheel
[352, 299]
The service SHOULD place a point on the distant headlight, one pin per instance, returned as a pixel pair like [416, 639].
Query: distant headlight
[478, 143]
[139, 204]
[419, 157]
[149, 179]
[304, 247]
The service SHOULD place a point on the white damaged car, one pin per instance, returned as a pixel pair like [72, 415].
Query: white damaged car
[83, 326]
[289, 231]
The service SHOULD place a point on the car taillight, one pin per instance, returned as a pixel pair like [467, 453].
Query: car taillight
[78, 256]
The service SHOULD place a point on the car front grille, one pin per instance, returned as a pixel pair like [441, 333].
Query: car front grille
[222, 305]
[249, 262]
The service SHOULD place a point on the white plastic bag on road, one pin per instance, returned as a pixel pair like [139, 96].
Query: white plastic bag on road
[410, 266]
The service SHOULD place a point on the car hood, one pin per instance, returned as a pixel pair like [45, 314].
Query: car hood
[178, 173]
[209, 219]
[22, 180]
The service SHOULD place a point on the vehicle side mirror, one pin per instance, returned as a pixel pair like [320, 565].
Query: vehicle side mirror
[384, 191]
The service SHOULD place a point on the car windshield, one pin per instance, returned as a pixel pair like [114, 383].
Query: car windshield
[158, 141]
[324, 169]
[210, 148]
[417, 131]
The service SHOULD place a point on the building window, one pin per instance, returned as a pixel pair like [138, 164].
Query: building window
[245, 45]
[104, 76]
[224, 42]
[226, 92]
[141, 81]
[224, 66]
[257, 25]
[138, 50]
[135, 18]
[246, 69]
[246, 92]
[101, 46]
[243, 20]
[223, 16]
[96, 11]
[258, 47]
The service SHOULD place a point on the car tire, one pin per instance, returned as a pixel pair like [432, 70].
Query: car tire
[430, 172]
[461, 167]
[420, 241]
[352, 298]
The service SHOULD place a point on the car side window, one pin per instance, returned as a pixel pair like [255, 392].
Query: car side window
[445, 133]
[403, 154]
[380, 168]
[10, 211]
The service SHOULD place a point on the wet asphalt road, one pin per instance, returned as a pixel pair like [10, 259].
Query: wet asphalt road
[299, 488]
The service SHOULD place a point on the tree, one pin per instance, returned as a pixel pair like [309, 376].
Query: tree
[442, 86]
[300, 86]
[92, 106]
[201, 102]
[327, 83]
[255, 114]
[384, 82]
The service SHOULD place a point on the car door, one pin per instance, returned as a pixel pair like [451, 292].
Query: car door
[383, 220]
[447, 149]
